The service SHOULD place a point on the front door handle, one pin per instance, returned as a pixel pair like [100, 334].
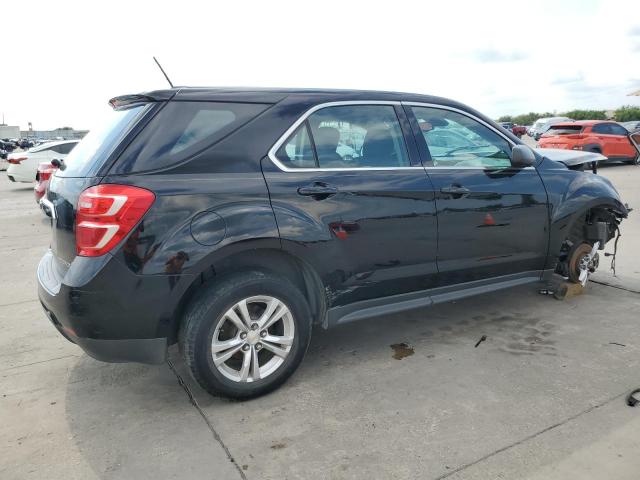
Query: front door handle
[318, 190]
[455, 190]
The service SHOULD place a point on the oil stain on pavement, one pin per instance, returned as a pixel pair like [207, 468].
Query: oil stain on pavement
[402, 350]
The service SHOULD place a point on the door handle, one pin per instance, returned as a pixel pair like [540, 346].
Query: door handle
[318, 190]
[455, 190]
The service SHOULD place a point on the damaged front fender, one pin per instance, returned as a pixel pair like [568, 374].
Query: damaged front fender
[571, 196]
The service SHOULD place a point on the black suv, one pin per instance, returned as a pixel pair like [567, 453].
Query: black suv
[232, 221]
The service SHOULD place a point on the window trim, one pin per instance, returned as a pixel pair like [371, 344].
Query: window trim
[303, 118]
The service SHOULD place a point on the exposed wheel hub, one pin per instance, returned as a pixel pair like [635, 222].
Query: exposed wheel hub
[583, 262]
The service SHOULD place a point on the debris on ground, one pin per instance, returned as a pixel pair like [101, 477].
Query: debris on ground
[618, 344]
[482, 339]
[632, 401]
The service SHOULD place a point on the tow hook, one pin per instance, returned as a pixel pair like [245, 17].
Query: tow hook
[588, 264]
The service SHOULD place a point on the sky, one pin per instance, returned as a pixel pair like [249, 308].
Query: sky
[63, 60]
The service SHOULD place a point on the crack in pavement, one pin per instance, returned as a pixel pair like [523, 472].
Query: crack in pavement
[531, 437]
[614, 286]
[18, 303]
[194, 402]
[35, 363]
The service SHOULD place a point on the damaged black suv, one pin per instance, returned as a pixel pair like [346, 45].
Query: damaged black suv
[231, 221]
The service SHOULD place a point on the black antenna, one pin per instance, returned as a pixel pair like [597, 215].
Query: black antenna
[162, 70]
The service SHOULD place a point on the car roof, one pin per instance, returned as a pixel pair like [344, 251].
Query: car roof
[275, 95]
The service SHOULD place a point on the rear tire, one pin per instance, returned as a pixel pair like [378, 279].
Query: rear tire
[231, 316]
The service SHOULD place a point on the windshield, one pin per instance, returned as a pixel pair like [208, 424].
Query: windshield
[85, 159]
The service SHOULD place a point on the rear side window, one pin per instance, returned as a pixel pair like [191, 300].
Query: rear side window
[563, 130]
[617, 129]
[349, 136]
[182, 129]
[603, 128]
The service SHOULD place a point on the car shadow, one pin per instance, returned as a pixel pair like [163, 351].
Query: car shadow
[122, 415]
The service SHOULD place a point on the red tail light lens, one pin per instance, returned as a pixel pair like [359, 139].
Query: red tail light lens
[16, 160]
[106, 214]
[45, 170]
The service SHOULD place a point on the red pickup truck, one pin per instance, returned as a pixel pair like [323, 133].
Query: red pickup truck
[517, 130]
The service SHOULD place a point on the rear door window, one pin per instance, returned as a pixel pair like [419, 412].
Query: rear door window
[601, 128]
[349, 136]
[297, 151]
[182, 129]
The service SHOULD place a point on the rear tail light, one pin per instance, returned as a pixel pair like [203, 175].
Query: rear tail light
[16, 160]
[45, 170]
[106, 214]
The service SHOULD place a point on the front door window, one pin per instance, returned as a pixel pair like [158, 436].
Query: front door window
[455, 140]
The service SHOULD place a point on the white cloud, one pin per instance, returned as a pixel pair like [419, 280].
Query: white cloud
[70, 57]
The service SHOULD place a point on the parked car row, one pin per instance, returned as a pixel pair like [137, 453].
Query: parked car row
[541, 125]
[37, 164]
[24, 165]
[517, 130]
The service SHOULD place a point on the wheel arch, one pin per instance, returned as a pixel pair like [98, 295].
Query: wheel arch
[264, 257]
[572, 223]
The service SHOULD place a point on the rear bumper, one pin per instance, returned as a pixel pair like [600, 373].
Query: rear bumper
[20, 173]
[140, 350]
[112, 314]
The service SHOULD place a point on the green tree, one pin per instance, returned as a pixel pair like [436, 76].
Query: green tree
[627, 113]
[505, 118]
[586, 114]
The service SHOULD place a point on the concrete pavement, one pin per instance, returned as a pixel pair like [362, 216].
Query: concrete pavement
[542, 397]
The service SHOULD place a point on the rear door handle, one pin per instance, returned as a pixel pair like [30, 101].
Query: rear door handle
[318, 190]
[455, 190]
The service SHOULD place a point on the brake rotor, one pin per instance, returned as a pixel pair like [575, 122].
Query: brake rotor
[581, 263]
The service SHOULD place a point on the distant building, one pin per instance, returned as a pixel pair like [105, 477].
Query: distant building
[66, 133]
[8, 131]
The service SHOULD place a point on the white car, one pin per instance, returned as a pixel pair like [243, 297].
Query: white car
[23, 166]
[543, 124]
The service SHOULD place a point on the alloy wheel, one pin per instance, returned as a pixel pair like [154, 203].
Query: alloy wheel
[253, 338]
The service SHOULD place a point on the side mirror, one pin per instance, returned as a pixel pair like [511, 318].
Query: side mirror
[58, 163]
[522, 156]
